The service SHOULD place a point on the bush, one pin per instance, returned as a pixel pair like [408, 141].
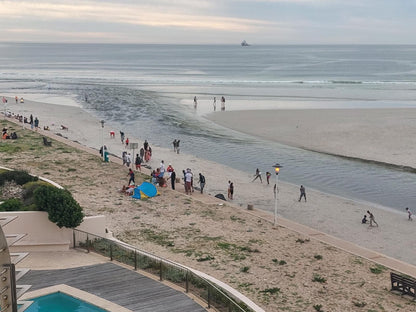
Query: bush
[12, 204]
[28, 192]
[318, 278]
[61, 206]
[20, 177]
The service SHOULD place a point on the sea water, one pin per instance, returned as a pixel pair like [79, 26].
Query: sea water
[147, 91]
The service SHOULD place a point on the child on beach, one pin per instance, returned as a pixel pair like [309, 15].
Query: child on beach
[131, 179]
[364, 220]
[409, 214]
[268, 175]
[372, 219]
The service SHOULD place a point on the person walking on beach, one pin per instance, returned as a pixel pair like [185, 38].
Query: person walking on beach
[188, 182]
[142, 153]
[201, 182]
[173, 179]
[16, 99]
[302, 192]
[124, 157]
[138, 162]
[257, 175]
[128, 160]
[127, 142]
[36, 123]
[231, 190]
[177, 146]
[174, 146]
[195, 102]
[372, 219]
[131, 179]
[31, 121]
[223, 103]
[122, 137]
[145, 145]
[215, 104]
[268, 175]
[409, 213]
[162, 168]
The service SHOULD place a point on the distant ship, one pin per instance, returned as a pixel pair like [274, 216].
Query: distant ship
[244, 44]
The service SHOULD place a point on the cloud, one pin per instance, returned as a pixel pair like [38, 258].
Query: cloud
[159, 15]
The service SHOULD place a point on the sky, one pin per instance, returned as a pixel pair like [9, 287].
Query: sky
[210, 21]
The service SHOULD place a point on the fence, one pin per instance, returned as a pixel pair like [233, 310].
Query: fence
[164, 269]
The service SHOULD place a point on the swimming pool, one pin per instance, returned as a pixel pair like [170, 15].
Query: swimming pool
[61, 302]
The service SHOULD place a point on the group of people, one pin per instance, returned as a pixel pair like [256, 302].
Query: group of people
[176, 145]
[146, 151]
[371, 217]
[4, 100]
[6, 136]
[373, 221]
[126, 157]
[214, 103]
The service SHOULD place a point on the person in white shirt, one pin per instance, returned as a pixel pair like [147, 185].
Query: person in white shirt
[188, 181]
[162, 168]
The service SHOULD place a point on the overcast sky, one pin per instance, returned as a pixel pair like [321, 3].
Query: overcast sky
[210, 21]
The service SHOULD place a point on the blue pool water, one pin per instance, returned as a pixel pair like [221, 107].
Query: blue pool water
[60, 302]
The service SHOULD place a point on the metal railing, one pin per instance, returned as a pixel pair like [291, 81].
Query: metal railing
[209, 292]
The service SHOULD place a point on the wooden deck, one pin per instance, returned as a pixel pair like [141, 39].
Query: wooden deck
[114, 283]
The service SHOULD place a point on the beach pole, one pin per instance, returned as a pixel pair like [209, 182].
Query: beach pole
[276, 190]
[102, 138]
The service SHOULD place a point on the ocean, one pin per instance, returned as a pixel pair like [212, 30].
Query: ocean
[147, 91]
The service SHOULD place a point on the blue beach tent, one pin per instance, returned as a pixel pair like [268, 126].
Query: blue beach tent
[145, 190]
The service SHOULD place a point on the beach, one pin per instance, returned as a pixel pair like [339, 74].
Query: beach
[224, 239]
[337, 216]
[383, 135]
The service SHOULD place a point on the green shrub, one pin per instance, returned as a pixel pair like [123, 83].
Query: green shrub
[28, 192]
[12, 204]
[318, 278]
[271, 291]
[377, 269]
[20, 177]
[61, 206]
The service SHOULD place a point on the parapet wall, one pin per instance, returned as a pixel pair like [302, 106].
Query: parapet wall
[44, 235]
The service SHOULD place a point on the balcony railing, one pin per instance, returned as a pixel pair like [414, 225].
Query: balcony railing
[190, 281]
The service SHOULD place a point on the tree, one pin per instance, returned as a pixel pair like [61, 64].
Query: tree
[61, 206]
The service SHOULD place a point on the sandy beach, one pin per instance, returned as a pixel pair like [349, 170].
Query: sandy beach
[209, 221]
[382, 135]
[340, 217]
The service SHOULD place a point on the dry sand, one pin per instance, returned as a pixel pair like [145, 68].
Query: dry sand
[331, 214]
[184, 219]
[384, 135]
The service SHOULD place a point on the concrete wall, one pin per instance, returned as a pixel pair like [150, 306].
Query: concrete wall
[44, 235]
